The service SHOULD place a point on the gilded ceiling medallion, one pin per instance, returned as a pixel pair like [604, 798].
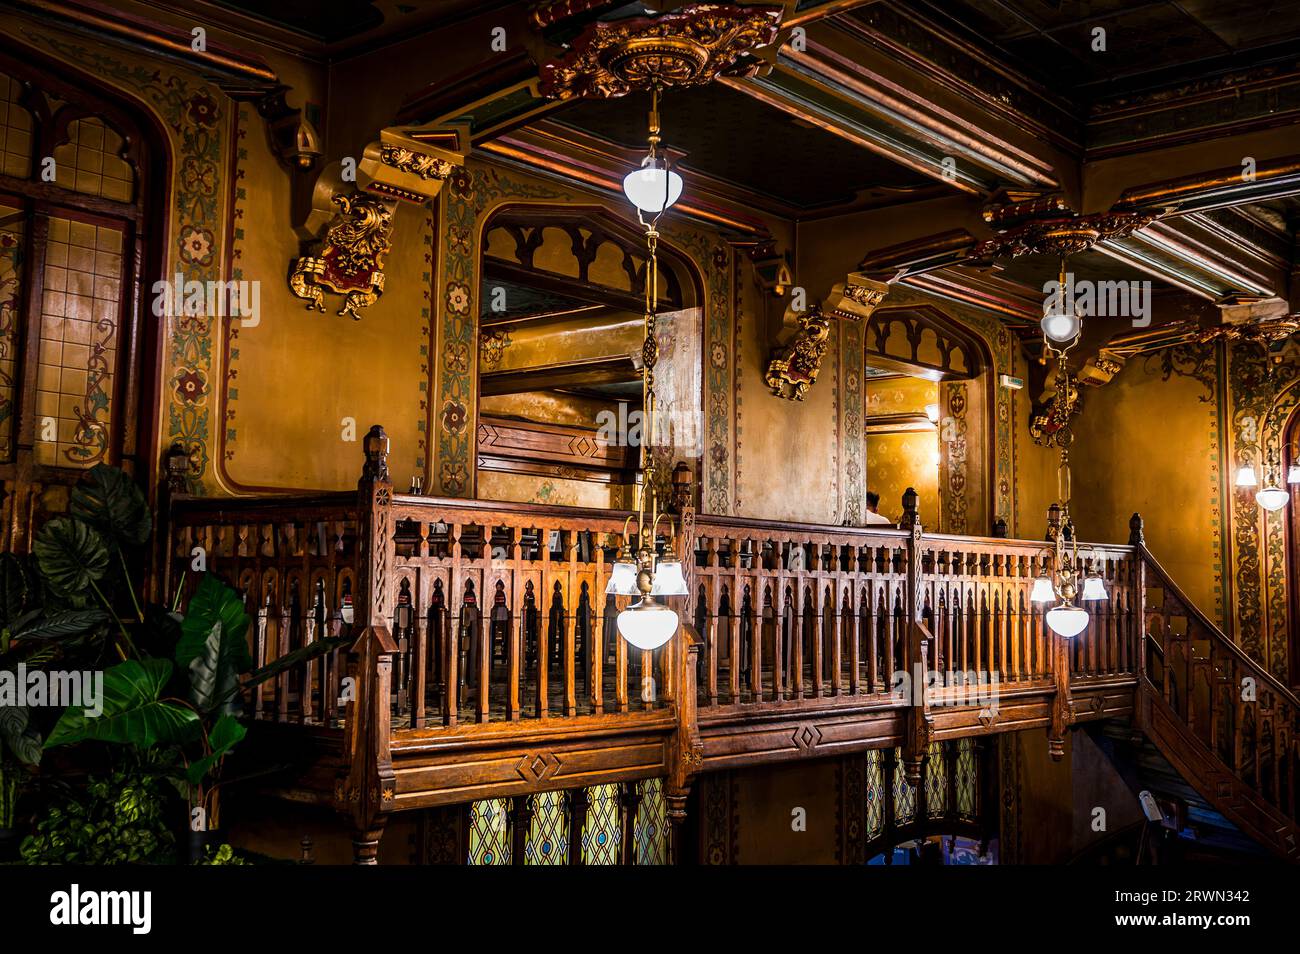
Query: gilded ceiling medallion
[688, 47]
[1062, 235]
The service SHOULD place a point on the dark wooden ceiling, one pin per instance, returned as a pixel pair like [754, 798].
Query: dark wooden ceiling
[738, 139]
[1147, 43]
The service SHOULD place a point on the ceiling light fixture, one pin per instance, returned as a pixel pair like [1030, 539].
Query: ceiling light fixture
[1061, 323]
[1063, 579]
[640, 570]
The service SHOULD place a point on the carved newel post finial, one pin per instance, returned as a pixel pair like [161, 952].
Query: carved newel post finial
[911, 517]
[376, 451]
[1136, 537]
[1053, 522]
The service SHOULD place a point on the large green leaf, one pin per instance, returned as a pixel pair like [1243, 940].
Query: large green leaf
[214, 602]
[62, 623]
[318, 648]
[214, 680]
[224, 735]
[13, 589]
[72, 556]
[17, 732]
[111, 502]
[132, 712]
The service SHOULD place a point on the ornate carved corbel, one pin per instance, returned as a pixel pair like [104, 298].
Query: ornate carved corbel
[794, 368]
[356, 213]
[350, 261]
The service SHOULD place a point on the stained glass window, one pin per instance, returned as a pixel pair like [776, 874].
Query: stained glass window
[548, 831]
[490, 832]
[15, 131]
[89, 161]
[78, 352]
[904, 794]
[11, 271]
[967, 787]
[936, 782]
[650, 828]
[875, 794]
[602, 830]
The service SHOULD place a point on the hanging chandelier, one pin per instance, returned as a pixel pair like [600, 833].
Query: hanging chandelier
[639, 569]
[1063, 582]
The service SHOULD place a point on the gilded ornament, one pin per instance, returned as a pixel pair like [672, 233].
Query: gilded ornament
[794, 368]
[687, 47]
[416, 163]
[351, 259]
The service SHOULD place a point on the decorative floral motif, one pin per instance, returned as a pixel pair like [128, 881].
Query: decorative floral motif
[191, 386]
[458, 298]
[453, 416]
[199, 176]
[456, 358]
[196, 246]
[202, 109]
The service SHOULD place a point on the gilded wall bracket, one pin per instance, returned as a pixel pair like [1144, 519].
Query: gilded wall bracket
[353, 205]
[794, 366]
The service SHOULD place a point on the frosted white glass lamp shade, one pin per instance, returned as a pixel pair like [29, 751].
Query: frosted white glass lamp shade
[1293, 474]
[622, 581]
[647, 624]
[1094, 588]
[932, 412]
[653, 187]
[1246, 477]
[1042, 591]
[1060, 325]
[1272, 498]
[1067, 621]
[668, 579]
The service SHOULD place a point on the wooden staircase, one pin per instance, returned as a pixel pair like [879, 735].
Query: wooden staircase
[1221, 720]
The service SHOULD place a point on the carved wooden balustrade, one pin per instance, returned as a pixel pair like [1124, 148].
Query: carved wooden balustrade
[471, 650]
[1218, 716]
[811, 621]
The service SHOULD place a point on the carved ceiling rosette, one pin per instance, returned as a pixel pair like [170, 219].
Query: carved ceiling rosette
[687, 47]
[1064, 235]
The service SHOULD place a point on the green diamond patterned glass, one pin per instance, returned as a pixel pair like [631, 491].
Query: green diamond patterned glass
[602, 829]
[904, 794]
[650, 828]
[936, 782]
[490, 832]
[548, 832]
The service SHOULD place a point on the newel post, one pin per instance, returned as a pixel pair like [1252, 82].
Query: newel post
[1138, 603]
[686, 756]
[367, 787]
[918, 723]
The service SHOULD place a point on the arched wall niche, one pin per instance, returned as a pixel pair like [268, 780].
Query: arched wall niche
[963, 352]
[588, 260]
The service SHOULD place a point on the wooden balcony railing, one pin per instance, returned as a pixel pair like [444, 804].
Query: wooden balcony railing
[472, 643]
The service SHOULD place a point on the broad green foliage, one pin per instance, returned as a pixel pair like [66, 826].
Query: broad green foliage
[134, 712]
[73, 558]
[119, 820]
[109, 500]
